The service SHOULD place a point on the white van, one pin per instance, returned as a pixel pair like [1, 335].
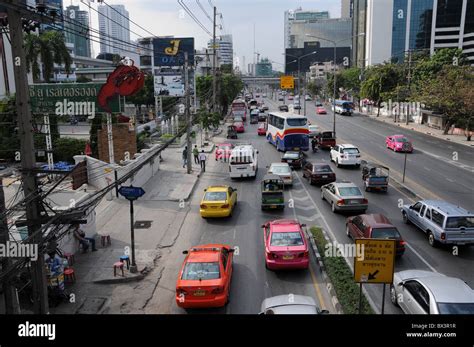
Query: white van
[243, 162]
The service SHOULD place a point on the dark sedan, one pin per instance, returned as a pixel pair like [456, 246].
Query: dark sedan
[296, 160]
[319, 173]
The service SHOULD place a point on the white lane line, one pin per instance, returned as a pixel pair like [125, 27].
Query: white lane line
[449, 179]
[421, 258]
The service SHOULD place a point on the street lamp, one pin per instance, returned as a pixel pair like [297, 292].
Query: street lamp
[298, 59]
[334, 73]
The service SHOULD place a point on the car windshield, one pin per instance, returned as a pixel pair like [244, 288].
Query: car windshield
[296, 122]
[460, 222]
[349, 191]
[401, 139]
[292, 238]
[385, 233]
[313, 127]
[215, 196]
[291, 155]
[456, 308]
[322, 168]
[280, 169]
[203, 271]
[351, 150]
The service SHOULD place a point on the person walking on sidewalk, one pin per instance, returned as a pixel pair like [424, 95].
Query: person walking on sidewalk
[202, 160]
[185, 156]
[196, 154]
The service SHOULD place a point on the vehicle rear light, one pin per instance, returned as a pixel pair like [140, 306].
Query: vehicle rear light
[365, 201]
[303, 255]
[443, 236]
[272, 255]
[203, 206]
[402, 243]
[358, 156]
[218, 290]
[340, 202]
[181, 291]
[225, 206]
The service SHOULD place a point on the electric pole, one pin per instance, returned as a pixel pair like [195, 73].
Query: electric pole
[214, 63]
[28, 160]
[187, 114]
[409, 84]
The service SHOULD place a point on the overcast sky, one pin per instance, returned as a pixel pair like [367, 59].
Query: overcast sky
[165, 17]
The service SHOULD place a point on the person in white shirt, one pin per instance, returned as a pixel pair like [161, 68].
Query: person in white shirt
[202, 160]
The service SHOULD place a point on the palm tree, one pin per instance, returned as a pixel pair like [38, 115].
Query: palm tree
[45, 50]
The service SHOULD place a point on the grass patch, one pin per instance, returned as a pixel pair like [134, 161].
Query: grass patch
[341, 277]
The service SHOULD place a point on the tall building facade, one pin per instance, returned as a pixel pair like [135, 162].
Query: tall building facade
[77, 31]
[394, 27]
[294, 22]
[337, 29]
[225, 50]
[114, 22]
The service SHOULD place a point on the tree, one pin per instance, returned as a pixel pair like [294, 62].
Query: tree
[314, 88]
[146, 95]
[230, 86]
[48, 48]
[227, 68]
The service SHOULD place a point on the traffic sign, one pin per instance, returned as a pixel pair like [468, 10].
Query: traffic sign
[287, 82]
[131, 193]
[377, 263]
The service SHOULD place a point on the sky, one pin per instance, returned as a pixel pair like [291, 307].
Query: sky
[166, 17]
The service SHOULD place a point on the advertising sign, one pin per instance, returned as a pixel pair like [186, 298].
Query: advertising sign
[170, 51]
[169, 82]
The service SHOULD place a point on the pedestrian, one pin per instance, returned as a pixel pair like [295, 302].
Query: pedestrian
[196, 154]
[202, 160]
[185, 156]
[83, 240]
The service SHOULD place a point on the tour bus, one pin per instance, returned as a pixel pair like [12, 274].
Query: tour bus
[243, 161]
[288, 131]
[239, 108]
[343, 107]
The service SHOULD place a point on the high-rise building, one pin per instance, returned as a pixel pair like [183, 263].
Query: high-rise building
[264, 68]
[77, 31]
[337, 29]
[114, 23]
[225, 51]
[346, 9]
[394, 27]
[299, 18]
[52, 5]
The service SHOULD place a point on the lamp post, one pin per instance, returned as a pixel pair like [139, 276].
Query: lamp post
[334, 73]
[298, 59]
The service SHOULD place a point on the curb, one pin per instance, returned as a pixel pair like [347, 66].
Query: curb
[322, 269]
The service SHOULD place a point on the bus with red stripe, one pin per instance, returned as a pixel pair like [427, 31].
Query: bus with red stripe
[288, 131]
[239, 108]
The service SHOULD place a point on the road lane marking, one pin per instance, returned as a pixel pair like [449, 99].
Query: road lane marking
[421, 258]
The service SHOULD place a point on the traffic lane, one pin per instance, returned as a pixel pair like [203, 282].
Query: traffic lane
[430, 177]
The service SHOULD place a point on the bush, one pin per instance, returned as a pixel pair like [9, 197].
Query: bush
[65, 149]
[342, 278]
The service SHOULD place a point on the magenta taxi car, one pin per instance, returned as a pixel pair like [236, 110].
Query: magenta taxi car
[285, 245]
[399, 143]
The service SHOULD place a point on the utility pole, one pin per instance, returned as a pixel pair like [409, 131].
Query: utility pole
[214, 63]
[409, 84]
[187, 114]
[28, 160]
[49, 143]
[110, 139]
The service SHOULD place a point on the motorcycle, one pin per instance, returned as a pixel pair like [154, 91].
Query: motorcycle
[314, 146]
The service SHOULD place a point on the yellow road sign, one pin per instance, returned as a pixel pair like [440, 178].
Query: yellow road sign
[376, 265]
[287, 82]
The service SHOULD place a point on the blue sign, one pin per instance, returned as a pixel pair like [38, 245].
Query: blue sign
[170, 51]
[131, 193]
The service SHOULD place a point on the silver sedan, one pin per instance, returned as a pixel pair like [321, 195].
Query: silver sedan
[284, 171]
[426, 292]
[344, 196]
[291, 304]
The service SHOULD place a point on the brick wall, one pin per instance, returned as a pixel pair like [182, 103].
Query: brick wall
[124, 141]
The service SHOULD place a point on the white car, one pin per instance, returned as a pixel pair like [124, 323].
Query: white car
[313, 130]
[345, 154]
[307, 97]
[284, 171]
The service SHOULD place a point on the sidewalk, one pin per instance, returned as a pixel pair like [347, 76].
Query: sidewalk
[164, 208]
[422, 128]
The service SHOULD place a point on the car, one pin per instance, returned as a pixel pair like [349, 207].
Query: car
[345, 154]
[297, 106]
[205, 276]
[218, 201]
[239, 127]
[262, 117]
[443, 222]
[318, 104]
[223, 151]
[374, 226]
[399, 143]
[426, 292]
[283, 108]
[290, 97]
[262, 129]
[283, 170]
[264, 95]
[238, 119]
[296, 160]
[290, 304]
[313, 130]
[320, 110]
[263, 108]
[285, 245]
[281, 98]
[318, 173]
[344, 196]
[307, 98]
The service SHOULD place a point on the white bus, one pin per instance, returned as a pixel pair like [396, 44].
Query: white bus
[243, 162]
[288, 131]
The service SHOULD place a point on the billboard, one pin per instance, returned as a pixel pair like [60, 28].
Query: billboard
[170, 51]
[169, 81]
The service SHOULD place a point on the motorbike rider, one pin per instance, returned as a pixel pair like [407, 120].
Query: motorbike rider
[314, 144]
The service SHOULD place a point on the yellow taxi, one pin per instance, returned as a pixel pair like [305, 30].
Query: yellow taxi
[218, 201]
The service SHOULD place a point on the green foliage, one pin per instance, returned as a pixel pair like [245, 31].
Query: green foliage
[46, 49]
[314, 88]
[228, 87]
[65, 149]
[207, 119]
[341, 277]
[9, 140]
[226, 68]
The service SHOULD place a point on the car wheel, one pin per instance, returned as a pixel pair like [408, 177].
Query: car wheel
[405, 218]
[337, 163]
[348, 233]
[393, 296]
[431, 240]
[333, 207]
[322, 195]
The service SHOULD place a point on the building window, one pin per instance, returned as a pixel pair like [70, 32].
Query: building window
[449, 13]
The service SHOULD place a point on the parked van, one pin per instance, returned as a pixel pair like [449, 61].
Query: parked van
[243, 162]
[442, 221]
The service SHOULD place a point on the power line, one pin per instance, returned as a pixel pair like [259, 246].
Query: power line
[204, 11]
[193, 17]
